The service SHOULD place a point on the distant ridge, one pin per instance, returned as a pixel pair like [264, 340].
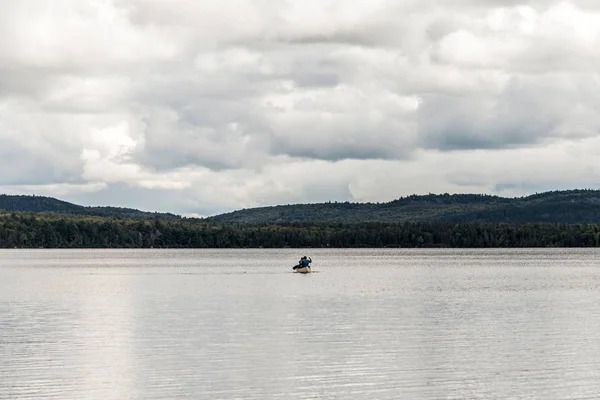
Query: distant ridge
[552, 219]
[41, 204]
[567, 206]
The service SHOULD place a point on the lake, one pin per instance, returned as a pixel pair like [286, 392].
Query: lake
[238, 324]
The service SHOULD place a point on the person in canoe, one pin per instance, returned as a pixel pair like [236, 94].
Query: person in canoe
[303, 265]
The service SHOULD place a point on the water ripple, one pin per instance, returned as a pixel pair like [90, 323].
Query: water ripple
[373, 324]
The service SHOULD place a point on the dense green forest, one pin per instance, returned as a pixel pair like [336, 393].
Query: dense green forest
[572, 206]
[35, 230]
[49, 204]
[551, 219]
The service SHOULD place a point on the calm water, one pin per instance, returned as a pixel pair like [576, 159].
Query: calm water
[237, 324]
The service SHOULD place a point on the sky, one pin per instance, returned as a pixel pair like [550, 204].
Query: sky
[199, 107]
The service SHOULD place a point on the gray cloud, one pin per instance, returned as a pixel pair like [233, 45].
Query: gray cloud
[527, 112]
[145, 199]
[255, 98]
[27, 167]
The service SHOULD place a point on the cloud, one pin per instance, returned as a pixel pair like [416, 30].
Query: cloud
[202, 107]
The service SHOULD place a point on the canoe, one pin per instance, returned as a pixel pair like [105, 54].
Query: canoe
[303, 270]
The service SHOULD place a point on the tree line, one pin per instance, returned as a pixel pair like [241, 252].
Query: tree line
[33, 230]
[571, 206]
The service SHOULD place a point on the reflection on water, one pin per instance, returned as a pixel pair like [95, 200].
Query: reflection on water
[228, 324]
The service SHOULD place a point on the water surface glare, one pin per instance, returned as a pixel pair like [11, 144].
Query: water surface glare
[238, 324]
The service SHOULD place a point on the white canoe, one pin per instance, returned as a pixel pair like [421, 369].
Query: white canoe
[303, 270]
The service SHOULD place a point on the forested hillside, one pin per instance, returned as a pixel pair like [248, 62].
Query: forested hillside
[573, 206]
[49, 204]
[553, 219]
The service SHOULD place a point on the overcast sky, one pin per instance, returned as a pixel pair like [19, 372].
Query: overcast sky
[199, 107]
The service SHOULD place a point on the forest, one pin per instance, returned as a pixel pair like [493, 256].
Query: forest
[52, 230]
[568, 206]
[50, 204]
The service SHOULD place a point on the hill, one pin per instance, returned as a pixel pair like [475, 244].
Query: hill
[41, 204]
[569, 206]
